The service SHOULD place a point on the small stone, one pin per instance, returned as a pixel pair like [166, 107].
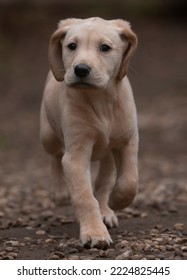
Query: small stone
[73, 250]
[124, 256]
[147, 248]
[27, 238]
[137, 257]
[121, 245]
[8, 258]
[178, 251]
[62, 246]
[179, 227]
[142, 232]
[9, 249]
[1, 214]
[184, 248]
[79, 247]
[47, 214]
[40, 232]
[13, 254]
[154, 232]
[150, 257]
[60, 255]
[159, 227]
[49, 240]
[93, 250]
[73, 257]
[103, 254]
[160, 256]
[18, 222]
[169, 255]
[156, 251]
[44, 227]
[159, 240]
[137, 247]
[13, 243]
[144, 215]
[162, 248]
[54, 257]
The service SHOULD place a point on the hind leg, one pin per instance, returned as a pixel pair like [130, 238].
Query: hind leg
[60, 192]
[53, 146]
[126, 185]
[103, 187]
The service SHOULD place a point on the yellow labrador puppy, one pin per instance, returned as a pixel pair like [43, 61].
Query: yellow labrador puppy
[88, 114]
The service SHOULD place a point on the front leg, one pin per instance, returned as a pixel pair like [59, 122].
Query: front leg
[126, 185]
[103, 187]
[76, 166]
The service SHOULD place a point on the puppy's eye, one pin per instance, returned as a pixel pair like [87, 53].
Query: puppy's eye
[105, 48]
[72, 46]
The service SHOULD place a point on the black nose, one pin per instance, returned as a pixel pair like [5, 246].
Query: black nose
[82, 70]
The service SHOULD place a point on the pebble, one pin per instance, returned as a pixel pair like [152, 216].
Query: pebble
[13, 243]
[9, 249]
[1, 214]
[160, 256]
[159, 240]
[54, 257]
[124, 256]
[73, 257]
[40, 232]
[103, 254]
[13, 254]
[150, 257]
[178, 251]
[147, 248]
[144, 215]
[137, 257]
[27, 238]
[60, 255]
[79, 247]
[49, 240]
[137, 247]
[8, 257]
[179, 227]
[184, 248]
[73, 250]
[121, 245]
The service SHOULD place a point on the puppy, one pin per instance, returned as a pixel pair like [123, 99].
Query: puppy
[88, 114]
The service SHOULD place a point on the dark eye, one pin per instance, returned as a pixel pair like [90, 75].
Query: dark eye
[105, 48]
[72, 46]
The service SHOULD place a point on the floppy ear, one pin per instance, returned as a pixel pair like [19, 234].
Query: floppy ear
[130, 37]
[55, 48]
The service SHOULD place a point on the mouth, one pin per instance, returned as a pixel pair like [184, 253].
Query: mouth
[82, 85]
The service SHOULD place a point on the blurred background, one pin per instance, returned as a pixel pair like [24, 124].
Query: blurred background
[157, 73]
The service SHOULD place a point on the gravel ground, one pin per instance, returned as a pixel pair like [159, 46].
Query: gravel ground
[155, 226]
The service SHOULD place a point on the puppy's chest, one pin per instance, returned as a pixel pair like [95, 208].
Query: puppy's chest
[112, 133]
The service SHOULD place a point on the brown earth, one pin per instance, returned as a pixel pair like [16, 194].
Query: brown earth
[155, 226]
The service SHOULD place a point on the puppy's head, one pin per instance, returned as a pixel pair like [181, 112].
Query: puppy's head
[91, 52]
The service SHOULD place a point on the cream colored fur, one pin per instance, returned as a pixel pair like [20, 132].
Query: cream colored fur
[91, 117]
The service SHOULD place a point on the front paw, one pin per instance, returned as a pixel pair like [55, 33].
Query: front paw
[109, 217]
[96, 237]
